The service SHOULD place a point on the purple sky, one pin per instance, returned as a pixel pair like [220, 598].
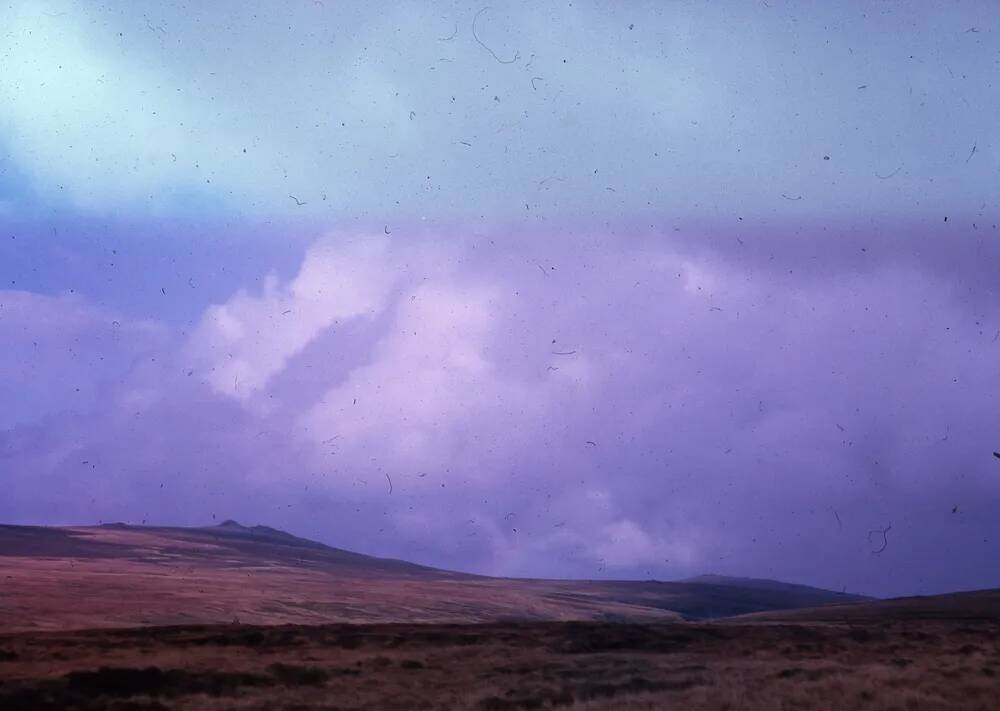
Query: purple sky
[578, 326]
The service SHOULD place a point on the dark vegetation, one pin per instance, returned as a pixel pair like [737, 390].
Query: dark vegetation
[919, 662]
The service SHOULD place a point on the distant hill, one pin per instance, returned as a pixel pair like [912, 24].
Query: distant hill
[117, 575]
[972, 606]
[763, 584]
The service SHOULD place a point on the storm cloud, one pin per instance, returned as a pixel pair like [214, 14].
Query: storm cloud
[573, 405]
[638, 290]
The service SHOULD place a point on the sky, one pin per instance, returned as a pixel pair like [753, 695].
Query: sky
[577, 289]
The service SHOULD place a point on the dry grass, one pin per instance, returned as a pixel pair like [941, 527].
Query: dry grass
[921, 653]
[66, 593]
[125, 577]
[877, 665]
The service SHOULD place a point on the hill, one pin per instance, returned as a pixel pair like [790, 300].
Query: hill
[116, 575]
[971, 606]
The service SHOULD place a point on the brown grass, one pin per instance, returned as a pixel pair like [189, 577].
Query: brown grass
[80, 578]
[922, 664]
[919, 653]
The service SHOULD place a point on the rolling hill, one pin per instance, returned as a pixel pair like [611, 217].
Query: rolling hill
[116, 575]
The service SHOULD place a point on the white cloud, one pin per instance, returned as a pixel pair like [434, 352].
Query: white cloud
[240, 345]
[430, 377]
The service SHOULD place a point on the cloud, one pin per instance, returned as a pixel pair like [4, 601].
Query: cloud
[601, 415]
[241, 344]
[145, 108]
[433, 394]
[626, 545]
[111, 130]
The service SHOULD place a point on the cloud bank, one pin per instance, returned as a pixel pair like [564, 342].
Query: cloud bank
[326, 109]
[541, 404]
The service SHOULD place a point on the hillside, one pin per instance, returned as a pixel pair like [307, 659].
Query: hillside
[117, 575]
[970, 606]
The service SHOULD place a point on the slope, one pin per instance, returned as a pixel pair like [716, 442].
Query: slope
[117, 575]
